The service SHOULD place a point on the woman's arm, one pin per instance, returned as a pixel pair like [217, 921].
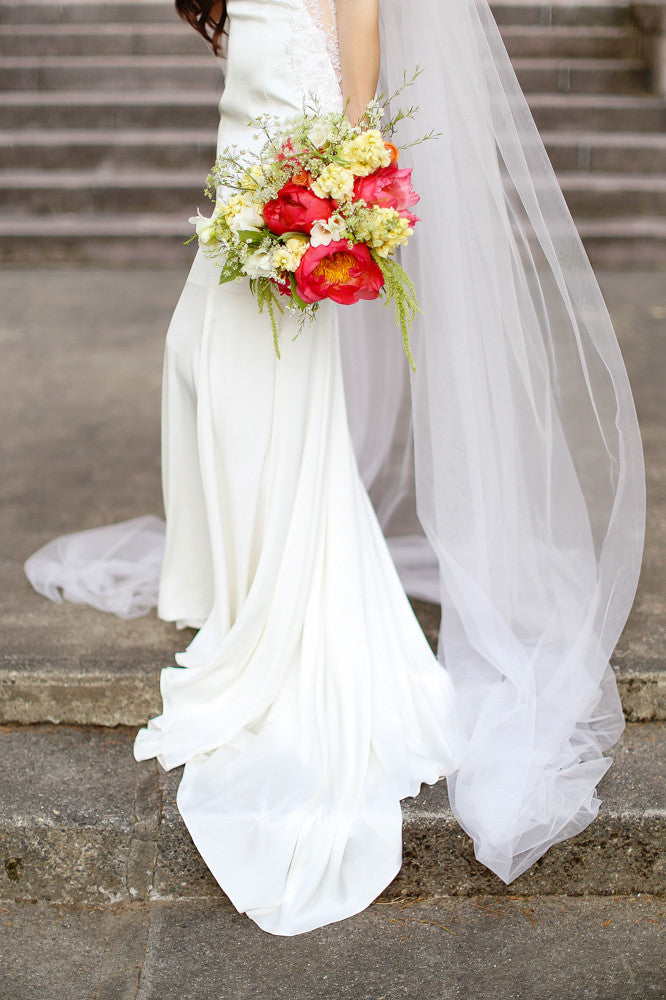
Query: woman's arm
[358, 36]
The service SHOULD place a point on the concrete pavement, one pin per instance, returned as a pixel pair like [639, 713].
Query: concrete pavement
[449, 949]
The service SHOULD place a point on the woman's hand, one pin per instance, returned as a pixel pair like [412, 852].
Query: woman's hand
[358, 37]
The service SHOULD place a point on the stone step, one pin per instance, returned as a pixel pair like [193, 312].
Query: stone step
[615, 196]
[170, 109]
[117, 683]
[122, 149]
[198, 109]
[107, 149]
[69, 191]
[41, 12]
[146, 72]
[98, 240]
[582, 76]
[623, 152]
[148, 240]
[596, 112]
[91, 825]
[558, 946]
[56, 192]
[579, 42]
[511, 13]
[143, 73]
[629, 243]
[75, 664]
[172, 39]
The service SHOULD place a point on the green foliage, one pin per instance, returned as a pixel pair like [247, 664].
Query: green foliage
[230, 271]
[298, 301]
[251, 237]
[264, 291]
[399, 290]
[389, 127]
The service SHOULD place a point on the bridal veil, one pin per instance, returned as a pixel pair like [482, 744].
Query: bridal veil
[529, 479]
[506, 472]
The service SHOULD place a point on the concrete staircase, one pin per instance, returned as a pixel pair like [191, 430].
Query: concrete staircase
[587, 83]
[108, 113]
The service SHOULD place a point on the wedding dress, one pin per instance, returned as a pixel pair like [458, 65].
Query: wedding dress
[506, 482]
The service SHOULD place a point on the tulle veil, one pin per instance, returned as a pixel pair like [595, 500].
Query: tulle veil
[507, 471]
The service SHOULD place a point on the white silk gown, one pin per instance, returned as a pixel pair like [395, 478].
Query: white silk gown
[506, 474]
[309, 703]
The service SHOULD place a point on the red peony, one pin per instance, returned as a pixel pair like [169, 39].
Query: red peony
[296, 209]
[390, 187]
[338, 273]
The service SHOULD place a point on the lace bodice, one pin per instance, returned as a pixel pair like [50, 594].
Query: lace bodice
[313, 50]
[278, 52]
[323, 16]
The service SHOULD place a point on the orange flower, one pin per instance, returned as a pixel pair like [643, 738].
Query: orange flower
[393, 150]
[303, 178]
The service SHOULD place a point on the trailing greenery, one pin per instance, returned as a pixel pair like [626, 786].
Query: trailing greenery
[264, 291]
[399, 290]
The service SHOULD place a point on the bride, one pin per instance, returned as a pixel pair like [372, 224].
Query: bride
[304, 496]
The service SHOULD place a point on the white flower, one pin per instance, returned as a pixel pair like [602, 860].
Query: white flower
[325, 231]
[205, 227]
[260, 264]
[246, 216]
[320, 133]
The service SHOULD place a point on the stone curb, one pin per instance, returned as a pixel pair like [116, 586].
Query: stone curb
[93, 826]
[65, 692]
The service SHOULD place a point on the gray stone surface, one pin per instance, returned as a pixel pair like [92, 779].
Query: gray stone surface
[82, 822]
[51, 952]
[79, 820]
[449, 949]
[80, 392]
[80, 383]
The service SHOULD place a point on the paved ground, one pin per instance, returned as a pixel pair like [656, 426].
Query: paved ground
[451, 949]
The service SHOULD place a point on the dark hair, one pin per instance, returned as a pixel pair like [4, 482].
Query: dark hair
[208, 17]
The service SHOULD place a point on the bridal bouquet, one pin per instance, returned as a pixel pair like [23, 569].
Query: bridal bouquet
[317, 213]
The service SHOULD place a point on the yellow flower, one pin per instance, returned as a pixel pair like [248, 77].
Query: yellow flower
[297, 244]
[285, 259]
[241, 212]
[252, 178]
[365, 153]
[334, 182]
[383, 229]
[287, 255]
